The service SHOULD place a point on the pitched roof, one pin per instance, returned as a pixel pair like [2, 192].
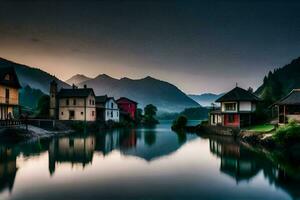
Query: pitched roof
[293, 98]
[238, 94]
[101, 99]
[76, 92]
[125, 98]
[13, 82]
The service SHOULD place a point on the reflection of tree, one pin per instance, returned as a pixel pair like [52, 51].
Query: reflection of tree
[181, 136]
[241, 163]
[75, 150]
[8, 168]
[150, 137]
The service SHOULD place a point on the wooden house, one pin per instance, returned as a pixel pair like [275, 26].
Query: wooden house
[236, 109]
[78, 104]
[127, 107]
[107, 109]
[9, 93]
[289, 107]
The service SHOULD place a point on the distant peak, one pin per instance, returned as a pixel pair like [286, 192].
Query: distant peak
[104, 76]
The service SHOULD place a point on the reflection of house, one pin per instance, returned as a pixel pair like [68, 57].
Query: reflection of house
[8, 169]
[236, 110]
[107, 109]
[9, 92]
[71, 150]
[127, 107]
[72, 104]
[235, 162]
[289, 107]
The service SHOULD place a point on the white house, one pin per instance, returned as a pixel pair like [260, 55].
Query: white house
[107, 109]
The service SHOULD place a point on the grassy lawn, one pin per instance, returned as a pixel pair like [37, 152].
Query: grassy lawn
[261, 128]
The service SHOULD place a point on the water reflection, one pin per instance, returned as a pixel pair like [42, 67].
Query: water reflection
[136, 161]
[243, 164]
[75, 150]
[8, 168]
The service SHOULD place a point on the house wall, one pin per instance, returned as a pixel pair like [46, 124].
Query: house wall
[245, 106]
[13, 95]
[79, 109]
[235, 123]
[112, 111]
[217, 121]
[128, 107]
[293, 117]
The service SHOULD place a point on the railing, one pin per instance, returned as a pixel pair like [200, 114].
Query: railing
[10, 123]
[10, 101]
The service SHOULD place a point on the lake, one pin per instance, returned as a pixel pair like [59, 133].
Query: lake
[143, 163]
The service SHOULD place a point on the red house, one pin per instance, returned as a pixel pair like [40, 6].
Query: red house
[127, 107]
[237, 108]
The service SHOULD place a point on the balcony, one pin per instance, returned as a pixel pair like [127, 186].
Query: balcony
[9, 101]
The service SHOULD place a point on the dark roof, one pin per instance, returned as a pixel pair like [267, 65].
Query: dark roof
[125, 98]
[293, 98]
[13, 82]
[101, 99]
[77, 92]
[238, 94]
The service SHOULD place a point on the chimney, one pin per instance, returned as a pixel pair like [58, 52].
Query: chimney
[84, 86]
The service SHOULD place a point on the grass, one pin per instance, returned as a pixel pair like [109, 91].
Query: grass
[261, 128]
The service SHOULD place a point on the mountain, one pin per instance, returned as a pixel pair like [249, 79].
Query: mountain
[29, 97]
[280, 82]
[77, 79]
[205, 99]
[33, 77]
[165, 96]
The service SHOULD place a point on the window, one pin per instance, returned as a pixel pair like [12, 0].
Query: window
[81, 113]
[7, 77]
[93, 113]
[67, 102]
[90, 102]
[62, 113]
[230, 118]
[74, 102]
[230, 106]
[111, 114]
[71, 143]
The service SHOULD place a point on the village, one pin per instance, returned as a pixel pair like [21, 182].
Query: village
[236, 115]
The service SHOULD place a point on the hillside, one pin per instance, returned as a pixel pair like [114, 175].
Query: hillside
[33, 77]
[205, 99]
[167, 97]
[280, 82]
[77, 79]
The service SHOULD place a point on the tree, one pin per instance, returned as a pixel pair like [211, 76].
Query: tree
[43, 106]
[150, 114]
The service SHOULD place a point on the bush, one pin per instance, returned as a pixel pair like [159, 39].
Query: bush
[288, 134]
[179, 123]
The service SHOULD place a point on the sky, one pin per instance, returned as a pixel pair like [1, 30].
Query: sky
[200, 46]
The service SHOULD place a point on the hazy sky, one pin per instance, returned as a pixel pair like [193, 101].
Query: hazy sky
[198, 46]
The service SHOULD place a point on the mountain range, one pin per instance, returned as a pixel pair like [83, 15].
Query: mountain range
[165, 96]
[205, 99]
[148, 90]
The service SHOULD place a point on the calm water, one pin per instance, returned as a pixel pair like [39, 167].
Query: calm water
[153, 163]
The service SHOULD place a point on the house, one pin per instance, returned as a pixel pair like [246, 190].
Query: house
[289, 107]
[237, 107]
[107, 109]
[9, 93]
[127, 107]
[72, 104]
